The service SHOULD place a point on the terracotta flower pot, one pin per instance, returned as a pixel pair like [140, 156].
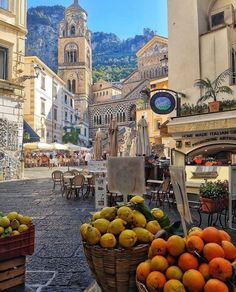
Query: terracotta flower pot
[213, 205]
[214, 106]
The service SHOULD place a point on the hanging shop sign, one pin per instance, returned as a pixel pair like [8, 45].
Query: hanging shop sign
[163, 102]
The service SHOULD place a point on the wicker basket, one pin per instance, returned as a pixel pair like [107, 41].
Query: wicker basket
[141, 286]
[115, 269]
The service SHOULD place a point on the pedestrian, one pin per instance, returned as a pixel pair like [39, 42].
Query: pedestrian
[51, 161]
[87, 158]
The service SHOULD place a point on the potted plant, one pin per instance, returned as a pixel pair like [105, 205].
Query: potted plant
[213, 88]
[214, 196]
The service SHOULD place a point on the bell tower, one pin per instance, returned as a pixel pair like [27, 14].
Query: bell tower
[75, 56]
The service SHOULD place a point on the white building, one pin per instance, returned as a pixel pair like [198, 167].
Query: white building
[49, 106]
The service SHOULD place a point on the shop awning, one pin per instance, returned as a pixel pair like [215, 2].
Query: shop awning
[208, 122]
[29, 134]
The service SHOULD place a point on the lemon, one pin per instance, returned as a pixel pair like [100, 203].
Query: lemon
[19, 217]
[22, 228]
[137, 199]
[4, 222]
[26, 220]
[12, 215]
[157, 213]
[1, 230]
[15, 232]
[15, 224]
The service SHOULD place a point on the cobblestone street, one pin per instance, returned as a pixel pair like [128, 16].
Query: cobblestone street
[58, 264]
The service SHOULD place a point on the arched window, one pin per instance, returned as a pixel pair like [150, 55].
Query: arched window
[88, 59]
[124, 117]
[132, 113]
[72, 30]
[118, 117]
[95, 120]
[106, 119]
[71, 52]
[73, 86]
[69, 87]
[63, 32]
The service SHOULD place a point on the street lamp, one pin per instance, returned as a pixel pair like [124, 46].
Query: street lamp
[23, 78]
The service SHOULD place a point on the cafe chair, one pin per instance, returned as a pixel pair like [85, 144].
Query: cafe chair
[77, 184]
[75, 171]
[57, 177]
[90, 187]
[66, 182]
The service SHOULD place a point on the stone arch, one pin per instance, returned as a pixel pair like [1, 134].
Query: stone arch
[71, 53]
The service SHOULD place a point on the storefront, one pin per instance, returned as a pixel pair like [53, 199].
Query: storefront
[205, 144]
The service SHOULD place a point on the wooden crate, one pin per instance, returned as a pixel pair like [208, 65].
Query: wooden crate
[12, 273]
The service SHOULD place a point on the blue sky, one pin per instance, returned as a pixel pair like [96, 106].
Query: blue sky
[122, 17]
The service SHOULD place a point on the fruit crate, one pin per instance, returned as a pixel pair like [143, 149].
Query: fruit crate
[12, 273]
[19, 245]
[115, 269]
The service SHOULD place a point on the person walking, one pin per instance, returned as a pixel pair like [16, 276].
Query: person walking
[87, 158]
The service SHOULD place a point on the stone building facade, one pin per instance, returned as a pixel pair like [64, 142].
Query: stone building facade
[75, 57]
[122, 107]
[12, 47]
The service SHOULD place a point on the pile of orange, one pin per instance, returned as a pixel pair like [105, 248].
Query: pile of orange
[203, 261]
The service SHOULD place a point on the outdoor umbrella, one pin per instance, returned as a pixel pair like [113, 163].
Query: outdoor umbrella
[73, 147]
[38, 146]
[113, 138]
[143, 146]
[98, 146]
[132, 152]
[58, 146]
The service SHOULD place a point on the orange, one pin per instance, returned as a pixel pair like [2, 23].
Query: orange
[173, 286]
[143, 270]
[171, 260]
[155, 281]
[213, 250]
[158, 247]
[220, 269]
[195, 231]
[187, 261]
[229, 249]
[211, 234]
[204, 270]
[159, 263]
[150, 255]
[215, 285]
[174, 272]
[194, 243]
[175, 245]
[193, 280]
[224, 235]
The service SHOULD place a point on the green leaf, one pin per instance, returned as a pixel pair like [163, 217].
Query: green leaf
[175, 228]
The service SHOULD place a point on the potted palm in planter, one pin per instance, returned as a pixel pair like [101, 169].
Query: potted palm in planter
[214, 196]
[213, 88]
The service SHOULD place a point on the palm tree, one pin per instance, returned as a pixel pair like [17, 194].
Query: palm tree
[213, 88]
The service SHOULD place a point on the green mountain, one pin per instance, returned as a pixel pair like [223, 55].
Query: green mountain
[113, 58]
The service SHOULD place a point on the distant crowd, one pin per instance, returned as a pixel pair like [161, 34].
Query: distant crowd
[57, 159]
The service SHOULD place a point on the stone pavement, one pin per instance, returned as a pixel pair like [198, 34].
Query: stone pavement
[58, 264]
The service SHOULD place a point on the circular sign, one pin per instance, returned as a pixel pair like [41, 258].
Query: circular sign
[162, 103]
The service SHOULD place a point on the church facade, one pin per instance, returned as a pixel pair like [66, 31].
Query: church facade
[122, 107]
